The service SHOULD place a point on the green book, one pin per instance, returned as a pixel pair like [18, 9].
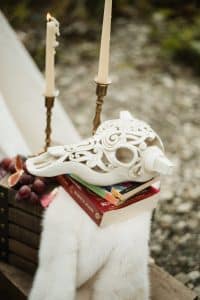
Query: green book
[117, 193]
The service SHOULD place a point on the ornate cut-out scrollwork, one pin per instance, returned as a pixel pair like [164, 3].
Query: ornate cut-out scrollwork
[99, 151]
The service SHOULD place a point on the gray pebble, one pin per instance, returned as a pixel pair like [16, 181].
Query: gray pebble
[194, 275]
[182, 277]
[184, 207]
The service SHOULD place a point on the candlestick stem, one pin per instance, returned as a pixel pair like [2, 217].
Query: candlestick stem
[101, 92]
[49, 103]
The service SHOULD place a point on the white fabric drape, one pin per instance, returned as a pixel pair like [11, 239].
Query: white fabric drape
[12, 141]
[21, 87]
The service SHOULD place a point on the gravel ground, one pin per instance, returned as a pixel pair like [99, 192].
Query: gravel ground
[167, 97]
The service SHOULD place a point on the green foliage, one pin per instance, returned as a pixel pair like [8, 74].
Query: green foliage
[18, 13]
[179, 39]
[175, 23]
[22, 11]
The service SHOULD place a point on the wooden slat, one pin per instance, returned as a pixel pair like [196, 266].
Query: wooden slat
[23, 251]
[164, 286]
[8, 291]
[14, 283]
[25, 206]
[22, 264]
[25, 220]
[23, 235]
[3, 223]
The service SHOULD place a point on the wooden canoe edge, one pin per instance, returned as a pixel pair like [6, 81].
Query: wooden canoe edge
[163, 285]
[18, 279]
[166, 287]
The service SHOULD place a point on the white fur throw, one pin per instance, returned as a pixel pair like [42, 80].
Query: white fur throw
[80, 261]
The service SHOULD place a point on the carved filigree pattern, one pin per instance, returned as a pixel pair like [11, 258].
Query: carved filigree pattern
[99, 151]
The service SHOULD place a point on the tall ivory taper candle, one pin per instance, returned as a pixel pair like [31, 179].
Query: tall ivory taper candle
[103, 72]
[51, 44]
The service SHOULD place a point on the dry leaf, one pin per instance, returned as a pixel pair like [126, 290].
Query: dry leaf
[14, 178]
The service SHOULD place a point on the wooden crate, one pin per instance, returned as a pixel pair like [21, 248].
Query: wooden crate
[20, 228]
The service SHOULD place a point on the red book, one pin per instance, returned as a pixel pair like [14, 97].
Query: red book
[103, 212]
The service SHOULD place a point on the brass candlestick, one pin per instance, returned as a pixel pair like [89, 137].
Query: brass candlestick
[49, 103]
[101, 92]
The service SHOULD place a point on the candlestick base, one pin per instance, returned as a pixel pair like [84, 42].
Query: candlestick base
[49, 103]
[101, 92]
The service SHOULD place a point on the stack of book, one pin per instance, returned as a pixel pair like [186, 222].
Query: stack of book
[112, 204]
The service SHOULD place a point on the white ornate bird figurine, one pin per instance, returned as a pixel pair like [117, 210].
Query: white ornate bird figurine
[124, 149]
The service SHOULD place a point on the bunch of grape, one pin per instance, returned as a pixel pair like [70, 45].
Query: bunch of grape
[5, 166]
[28, 187]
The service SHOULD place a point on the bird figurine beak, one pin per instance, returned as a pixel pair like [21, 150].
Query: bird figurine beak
[163, 165]
[156, 161]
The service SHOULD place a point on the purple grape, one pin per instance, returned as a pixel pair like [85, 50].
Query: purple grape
[43, 179]
[34, 198]
[11, 167]
[2, 173]
[26, 179]
[5, 163]
[24, 192]
[18, 197]
[39, 186]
